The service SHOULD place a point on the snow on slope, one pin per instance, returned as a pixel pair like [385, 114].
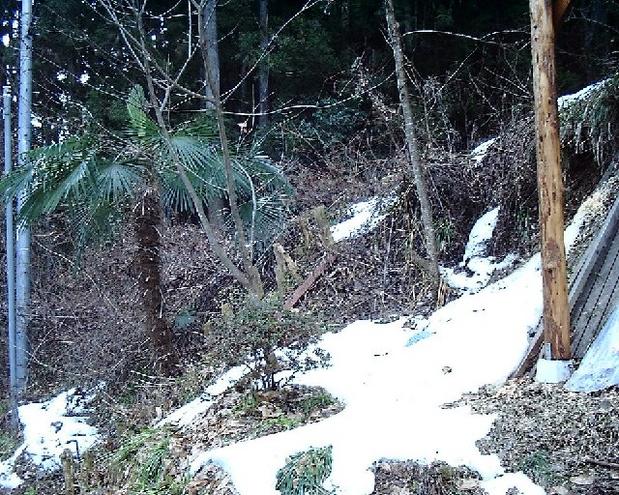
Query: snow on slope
[365, 216]
[476, 268]
[567, 100]
[394, 391]
[478, 153]
[49, 428]
[394, 380]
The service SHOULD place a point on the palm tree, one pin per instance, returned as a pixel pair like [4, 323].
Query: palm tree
[99, 178]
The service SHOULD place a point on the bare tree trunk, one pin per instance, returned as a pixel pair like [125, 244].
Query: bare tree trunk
[417, 168]
[263, 71]
[245, 250]
[550, 181]
[148, 225]
[210, 50]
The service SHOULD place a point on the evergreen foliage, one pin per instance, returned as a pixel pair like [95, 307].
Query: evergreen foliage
[305, 473]
[270, 340]
[96, 177]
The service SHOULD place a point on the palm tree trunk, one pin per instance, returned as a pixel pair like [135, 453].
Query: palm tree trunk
[148, 223]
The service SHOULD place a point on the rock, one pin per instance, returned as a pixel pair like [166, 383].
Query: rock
[582, 480]
[558, 490]
[468, 484]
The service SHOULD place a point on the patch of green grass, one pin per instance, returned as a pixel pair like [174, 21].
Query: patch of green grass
[317, 402]
[8, 444]
[280, 423]
[143, 457]
[132, 445]
[538, 465]
[305, 472]
[151, 468]
[247, 405]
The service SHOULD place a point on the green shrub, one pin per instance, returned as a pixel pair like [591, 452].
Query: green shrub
[316, 402]
[270, 340]
[305, 472]
[140, 464]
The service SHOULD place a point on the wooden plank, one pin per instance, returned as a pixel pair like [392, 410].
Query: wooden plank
[600, 303]
[532, 354]
[582, 281]
[307, 284]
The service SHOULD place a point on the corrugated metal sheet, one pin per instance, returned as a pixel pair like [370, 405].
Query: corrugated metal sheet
[594, 292]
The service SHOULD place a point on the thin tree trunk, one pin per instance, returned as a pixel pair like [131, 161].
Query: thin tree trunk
[210, 50]
[417, 168]
[24, 135]
[550, 181]
[148, 225]
[251, 272]
[263, 71]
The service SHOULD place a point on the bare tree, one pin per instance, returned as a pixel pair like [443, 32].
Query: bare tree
[209, 44]
[417, 167]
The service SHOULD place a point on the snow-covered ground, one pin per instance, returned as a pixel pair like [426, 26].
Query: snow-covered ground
[48, 429]
[364, 217]
[394, 381]
[585, 93]
[476, 268]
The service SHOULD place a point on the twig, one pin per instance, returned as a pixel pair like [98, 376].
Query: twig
[607, 464]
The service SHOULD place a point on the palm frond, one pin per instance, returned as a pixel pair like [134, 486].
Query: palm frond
[140, 124]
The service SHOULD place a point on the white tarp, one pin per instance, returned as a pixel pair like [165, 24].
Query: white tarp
[600, 366]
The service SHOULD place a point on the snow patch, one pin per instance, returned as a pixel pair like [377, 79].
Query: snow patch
[394, 391]
[49, 428]
[476, 269]
[480, 234]
[187, 414]
[566, 101]
[365, 216]
[480, 151]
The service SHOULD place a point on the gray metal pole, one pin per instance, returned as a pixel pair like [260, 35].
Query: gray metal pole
[24, 133]
[10, 255]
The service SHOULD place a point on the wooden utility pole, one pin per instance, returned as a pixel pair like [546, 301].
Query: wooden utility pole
[550, 182]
